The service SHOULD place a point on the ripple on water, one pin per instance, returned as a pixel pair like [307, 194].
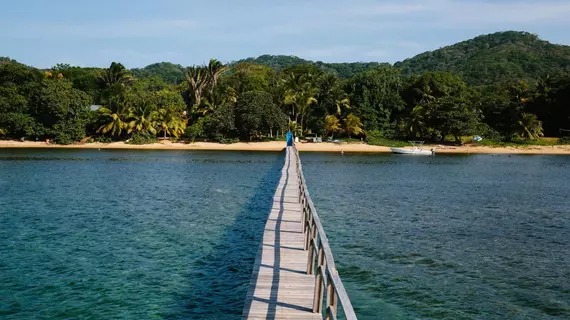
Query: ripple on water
[473, 237]
[130, 235]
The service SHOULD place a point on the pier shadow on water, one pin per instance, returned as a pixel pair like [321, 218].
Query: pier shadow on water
[220, 280]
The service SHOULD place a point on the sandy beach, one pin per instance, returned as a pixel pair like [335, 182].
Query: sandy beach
[279, 145]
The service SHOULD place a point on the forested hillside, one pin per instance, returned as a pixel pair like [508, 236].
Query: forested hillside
[169, 72]
[343, 70]
[255, 99]
[494, 58]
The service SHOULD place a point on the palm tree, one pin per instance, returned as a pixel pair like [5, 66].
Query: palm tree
[304, 103]
[215, 99]
[197, 78]
[171, 121]
[117, 113]
[115, 74]
[215, 69]
[340, 100]
[425, 93]
[332, 124]
[331, 96]
[530, 127]
[291, 87]
[353, 125]
[143, 117]
[300, 94]
[416, 122]
[203, 79]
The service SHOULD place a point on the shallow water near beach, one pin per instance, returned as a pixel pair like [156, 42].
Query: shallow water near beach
[88, 234]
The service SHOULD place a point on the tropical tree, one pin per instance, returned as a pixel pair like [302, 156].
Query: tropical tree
[453, 115]
[60, 110]
[170, 116]
[115, 117]
[197, 79]
[170, 121]
[221, 123]
[143, 117]
[332, 125]
[529, 127]
[353, 125]
[377, 98]
[273, 118]
[300, 94]
[424, 93]
[246, 76]
[215, 99]
[304, 101]
[115, 74]
[331, 96]
[202, 82]
[252, 113]
[417, 121]
[215, 68]
[431, 86]
[115, 120]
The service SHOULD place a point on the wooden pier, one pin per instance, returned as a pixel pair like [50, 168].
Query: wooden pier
[284, 283]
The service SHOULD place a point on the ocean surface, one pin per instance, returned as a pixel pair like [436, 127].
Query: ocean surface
[448, 237]
[109, 234]
[130, 234]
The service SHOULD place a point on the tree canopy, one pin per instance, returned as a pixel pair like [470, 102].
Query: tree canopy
[505, 86]
[494, 58]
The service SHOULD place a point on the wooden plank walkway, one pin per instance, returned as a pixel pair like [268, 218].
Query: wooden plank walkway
[280, 287]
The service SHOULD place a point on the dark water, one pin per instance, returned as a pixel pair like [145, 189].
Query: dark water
[130, 235]
[173, 235]
[462, 237]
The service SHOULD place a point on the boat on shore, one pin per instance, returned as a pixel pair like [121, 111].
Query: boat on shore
[415, 150]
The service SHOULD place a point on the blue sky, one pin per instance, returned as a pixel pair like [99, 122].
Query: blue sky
[140, 32]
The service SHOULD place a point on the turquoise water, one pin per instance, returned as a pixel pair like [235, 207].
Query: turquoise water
[130, 235]
[173, 235]
[457, 237]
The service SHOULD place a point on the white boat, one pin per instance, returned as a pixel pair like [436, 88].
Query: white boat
[415, 150]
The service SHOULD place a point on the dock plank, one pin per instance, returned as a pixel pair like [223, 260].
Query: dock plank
[280, 287]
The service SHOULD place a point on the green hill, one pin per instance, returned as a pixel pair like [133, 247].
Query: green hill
[169, 72]
[493, 58]
[343, 70]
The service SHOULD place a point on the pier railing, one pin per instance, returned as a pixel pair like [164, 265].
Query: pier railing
[321, 257]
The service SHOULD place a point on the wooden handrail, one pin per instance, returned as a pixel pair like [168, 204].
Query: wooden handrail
[318, 247]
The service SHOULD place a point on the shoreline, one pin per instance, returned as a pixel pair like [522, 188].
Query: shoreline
[279, 145]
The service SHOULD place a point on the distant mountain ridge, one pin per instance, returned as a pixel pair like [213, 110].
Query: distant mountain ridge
[343, 69]
[167, 71]
[486, 59]
[494, 58]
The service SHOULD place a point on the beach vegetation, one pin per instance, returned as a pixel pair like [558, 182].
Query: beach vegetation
[509, 88]
[142, 138]
[353, 125]
[332, 125]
